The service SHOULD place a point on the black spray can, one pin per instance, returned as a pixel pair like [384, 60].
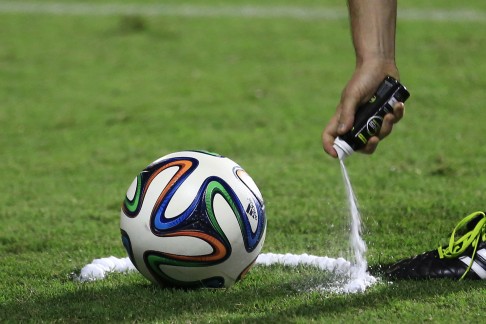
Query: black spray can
[369, 117]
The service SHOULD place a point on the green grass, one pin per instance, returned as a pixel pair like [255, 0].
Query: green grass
[87, 102]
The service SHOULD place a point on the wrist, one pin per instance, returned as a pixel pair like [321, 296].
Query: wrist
[378, 64]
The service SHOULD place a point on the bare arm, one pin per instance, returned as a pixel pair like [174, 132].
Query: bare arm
[373, 24]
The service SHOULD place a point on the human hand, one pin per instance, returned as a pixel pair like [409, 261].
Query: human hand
[358, 91]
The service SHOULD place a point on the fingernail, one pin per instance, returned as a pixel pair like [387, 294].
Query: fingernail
[341, 127]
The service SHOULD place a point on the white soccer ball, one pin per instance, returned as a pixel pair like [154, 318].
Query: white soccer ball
[193, 219]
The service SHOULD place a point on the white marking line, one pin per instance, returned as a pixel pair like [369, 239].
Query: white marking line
[228, 11]
[358, 281]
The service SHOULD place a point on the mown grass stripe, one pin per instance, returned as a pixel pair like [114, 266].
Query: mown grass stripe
[228, 11]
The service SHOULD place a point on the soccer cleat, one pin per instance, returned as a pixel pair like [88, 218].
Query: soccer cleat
[464, 257]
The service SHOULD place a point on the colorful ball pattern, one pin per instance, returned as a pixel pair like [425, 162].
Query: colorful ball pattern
[193, 219]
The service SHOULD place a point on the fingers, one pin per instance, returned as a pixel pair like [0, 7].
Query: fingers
[347, 110]
[371, 146]
[332, 130]
[398, 111]
[329, 135]
[391, 119]
[339, 124]
[386, 128]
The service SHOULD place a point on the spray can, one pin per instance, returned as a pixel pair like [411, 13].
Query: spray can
[369, 117]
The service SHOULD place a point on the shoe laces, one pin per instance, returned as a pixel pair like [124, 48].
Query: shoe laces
[457, 246]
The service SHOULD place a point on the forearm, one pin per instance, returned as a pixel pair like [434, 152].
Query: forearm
[373, 25]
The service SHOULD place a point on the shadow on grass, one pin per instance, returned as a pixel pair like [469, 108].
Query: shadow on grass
[385, 302]
[263, 298]
[132, 298]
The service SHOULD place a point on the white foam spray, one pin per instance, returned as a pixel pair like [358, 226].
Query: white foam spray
[358, 246]
[98, 269]
[347, 276]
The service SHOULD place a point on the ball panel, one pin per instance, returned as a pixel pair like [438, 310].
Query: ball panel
[155, 261]
[132, 198]
[249, 183]
[245, 271]
[218, 186]
[128, 246]
[189, 244]
[132, 190]
[226, 220]
[215, 252]
[182, 169]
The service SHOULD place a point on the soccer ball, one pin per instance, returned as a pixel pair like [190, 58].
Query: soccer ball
[193, 219]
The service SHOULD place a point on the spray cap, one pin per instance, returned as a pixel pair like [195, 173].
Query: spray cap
[342, 148]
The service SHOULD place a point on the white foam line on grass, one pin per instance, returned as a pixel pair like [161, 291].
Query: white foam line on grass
[354, 280]
[98, 269]
[227, 11]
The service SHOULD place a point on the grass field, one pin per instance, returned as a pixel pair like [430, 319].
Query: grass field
[88, 100]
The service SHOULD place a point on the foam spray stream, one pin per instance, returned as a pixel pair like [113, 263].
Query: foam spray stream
[357, 244]
[367, 123]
